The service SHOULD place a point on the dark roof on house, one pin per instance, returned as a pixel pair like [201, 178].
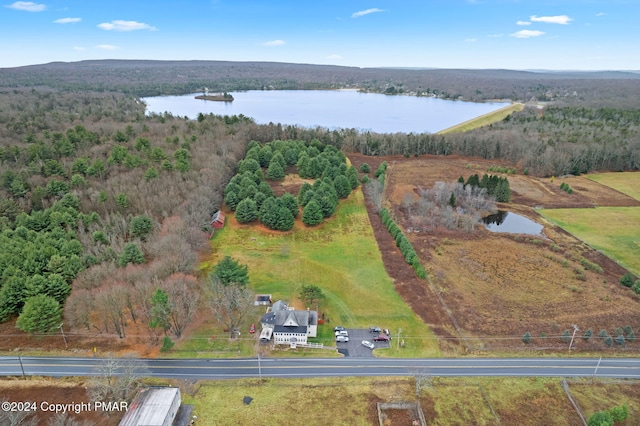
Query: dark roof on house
[302, 329]
[268, 318]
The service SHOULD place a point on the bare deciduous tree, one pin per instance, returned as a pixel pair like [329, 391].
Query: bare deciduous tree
[229, 303]
[424, 379]
[116, 378]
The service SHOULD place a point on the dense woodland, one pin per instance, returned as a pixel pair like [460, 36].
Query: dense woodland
[101, 205]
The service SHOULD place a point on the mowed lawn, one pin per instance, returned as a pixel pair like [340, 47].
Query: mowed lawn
[340, 256]
[625, 182]
[613, 230]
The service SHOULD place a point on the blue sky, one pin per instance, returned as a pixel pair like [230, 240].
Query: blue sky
[511, 34]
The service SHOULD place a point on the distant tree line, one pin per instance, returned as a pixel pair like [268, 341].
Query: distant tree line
[153, 78]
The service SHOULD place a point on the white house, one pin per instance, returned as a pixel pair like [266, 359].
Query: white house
[290, 327]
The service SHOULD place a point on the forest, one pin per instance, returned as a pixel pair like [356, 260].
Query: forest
[91, 187]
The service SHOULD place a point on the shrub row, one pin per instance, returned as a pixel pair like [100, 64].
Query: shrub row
[566, 188]
[403, 243]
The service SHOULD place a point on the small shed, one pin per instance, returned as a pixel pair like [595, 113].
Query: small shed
[262, 300]
[154, 406]
[217, 220]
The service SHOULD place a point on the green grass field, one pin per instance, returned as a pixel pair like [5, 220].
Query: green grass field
[483, 120]
[625, 182]
[613, 230]
[340, 256]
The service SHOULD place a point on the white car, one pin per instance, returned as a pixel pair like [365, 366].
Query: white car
[368, 344]
[342, 339]
[342, 333]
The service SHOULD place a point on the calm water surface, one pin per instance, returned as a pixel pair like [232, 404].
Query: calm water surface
[513, 223]
[331, 109]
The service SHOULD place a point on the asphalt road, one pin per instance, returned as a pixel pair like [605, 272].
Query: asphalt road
[334, 367]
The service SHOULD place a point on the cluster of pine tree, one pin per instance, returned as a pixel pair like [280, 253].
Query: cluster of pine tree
[496, 186]
[403, 243]
[250, 195]
[40, 258]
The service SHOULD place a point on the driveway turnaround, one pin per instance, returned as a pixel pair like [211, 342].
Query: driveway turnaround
[354, 347]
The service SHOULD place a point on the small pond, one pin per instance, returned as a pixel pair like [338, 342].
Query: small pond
[512, 223]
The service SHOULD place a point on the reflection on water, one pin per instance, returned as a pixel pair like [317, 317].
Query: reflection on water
[512, 223]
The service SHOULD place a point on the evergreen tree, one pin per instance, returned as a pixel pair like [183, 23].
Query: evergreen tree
[40, 314]
[131, 254]
[140, 226]
[275, 171]
[312, 214]
[284, 219]
[160, 310]
[291, 203]
[342, 186]
[247, 210]
[230, 271]
[302, 192]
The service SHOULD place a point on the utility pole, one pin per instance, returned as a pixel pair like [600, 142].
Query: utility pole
[575, 329]
[22, 367]
[259, 368]
[398, 344]
[63, 336]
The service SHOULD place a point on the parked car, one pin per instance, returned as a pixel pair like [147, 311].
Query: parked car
[342, 333]
[381, 338]
[338, 328]
[342, 339]
[374, 330]
[368, 344]
[252, 329]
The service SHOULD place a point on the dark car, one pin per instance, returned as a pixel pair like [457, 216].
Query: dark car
[382, 338]
[374, 330]
[338, 328]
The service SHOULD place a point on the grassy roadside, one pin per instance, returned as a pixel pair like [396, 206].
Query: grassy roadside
[613, 230]
[449, 401]
[483, 120]
[342, 257]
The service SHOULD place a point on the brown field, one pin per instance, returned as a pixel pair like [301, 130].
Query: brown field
[488, 289]
[55, 391]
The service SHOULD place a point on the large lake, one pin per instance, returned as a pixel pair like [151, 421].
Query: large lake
[331, 109]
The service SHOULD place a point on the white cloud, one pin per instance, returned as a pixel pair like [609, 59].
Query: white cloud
[523, 23]
[274, 43]
[559, 19]
[470, 40]
[366, 12]
[334, 56]
[495, 35]
[527, 34]
[67, 20]
[107, 47]
[601, 14]
[119, 25]
[79, 49]
[27, 6]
